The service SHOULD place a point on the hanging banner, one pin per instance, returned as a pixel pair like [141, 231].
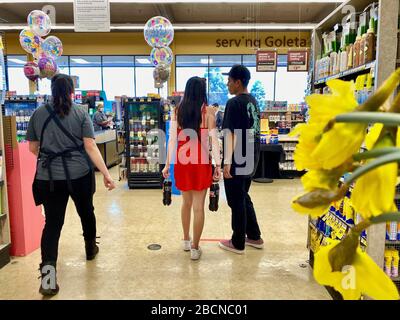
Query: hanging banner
[267, 61]
[297, 61]
[92, 15]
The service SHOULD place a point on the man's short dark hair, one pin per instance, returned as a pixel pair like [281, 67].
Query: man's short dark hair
[239, 72]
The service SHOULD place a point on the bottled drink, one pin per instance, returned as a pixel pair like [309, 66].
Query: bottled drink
[167, 188]
[214, 196]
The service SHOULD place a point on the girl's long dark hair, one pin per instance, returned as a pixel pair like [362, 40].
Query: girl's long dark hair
[62, 88]
[189, 110]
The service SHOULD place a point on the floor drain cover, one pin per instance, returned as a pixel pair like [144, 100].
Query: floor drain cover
[154, 247]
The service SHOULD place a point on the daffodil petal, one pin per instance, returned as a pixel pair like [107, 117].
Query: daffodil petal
[371, 279]
[373, 135]
[364, 276]
[339, 144]
[374, 192]
[313, 212]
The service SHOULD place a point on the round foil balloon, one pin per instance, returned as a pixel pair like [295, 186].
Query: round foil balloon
[52, 47]
[39, 23]
[158, 32]
[48, 67]
[32, 71]
[161, 55]
[30, 42]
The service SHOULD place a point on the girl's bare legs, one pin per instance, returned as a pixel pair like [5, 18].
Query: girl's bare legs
[198, 209]
[186, 212]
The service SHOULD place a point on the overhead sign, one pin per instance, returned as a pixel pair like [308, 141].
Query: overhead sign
[267, 61]
[92, 15]
[297, 60]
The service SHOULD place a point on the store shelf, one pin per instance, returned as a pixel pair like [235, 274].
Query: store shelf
[392, 242]
[280, 111]
[354, 71]
[140, 121]
[286, 120]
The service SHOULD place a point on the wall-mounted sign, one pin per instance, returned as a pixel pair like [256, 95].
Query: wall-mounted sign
[297, 60]
[267, 61]
[92, 15]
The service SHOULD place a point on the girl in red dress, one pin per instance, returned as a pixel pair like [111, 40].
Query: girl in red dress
[192, 124]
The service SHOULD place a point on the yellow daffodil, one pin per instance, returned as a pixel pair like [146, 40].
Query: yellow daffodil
[339, 144]
[319, 150]
[309, 135]
[324, 108]
[374, 192]
[363, 276]
[321, 179]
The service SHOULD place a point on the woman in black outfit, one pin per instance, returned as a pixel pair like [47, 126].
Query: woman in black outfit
[61, 135]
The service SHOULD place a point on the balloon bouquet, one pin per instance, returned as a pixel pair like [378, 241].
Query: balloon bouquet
[44, 51]
[159, 33]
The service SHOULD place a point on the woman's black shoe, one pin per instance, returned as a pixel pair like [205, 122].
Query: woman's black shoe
[48, 277]
[91, 249]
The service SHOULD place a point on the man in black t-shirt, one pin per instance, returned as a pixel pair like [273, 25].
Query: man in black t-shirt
[241, 127]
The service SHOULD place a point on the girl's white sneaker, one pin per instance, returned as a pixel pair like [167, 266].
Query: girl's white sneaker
[195, 254]
[187, 245]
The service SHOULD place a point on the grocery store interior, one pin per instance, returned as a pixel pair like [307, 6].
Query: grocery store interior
[291, 48]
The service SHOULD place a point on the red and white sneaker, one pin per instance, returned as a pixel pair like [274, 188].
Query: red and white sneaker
[259, 244]
[228, 245]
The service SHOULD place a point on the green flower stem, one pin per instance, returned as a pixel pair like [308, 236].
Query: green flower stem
[389, 158]
[375, 153]
[360, 227]
[386, 217]
[387, 118]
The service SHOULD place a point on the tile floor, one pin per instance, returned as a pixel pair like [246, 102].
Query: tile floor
[129, 220]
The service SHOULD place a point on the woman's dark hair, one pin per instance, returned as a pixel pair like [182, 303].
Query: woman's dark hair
[62, 88]
[189, 110]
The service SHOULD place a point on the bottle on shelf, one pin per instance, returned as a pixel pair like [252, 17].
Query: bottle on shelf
[370, 43]
[356, 50]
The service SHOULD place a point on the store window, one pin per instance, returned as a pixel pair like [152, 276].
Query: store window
[118, 76]
[290, 86]
[190, 66]
[44, 85]
[16, 79]
[218, 77]
[144, 76]
[88, 70]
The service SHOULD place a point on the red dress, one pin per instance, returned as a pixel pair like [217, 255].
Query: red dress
[193, 166]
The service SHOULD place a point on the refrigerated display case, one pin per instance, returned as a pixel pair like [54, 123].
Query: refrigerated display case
[22, 107]
[144, 127]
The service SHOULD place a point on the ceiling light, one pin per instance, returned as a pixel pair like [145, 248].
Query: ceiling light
[18, 61]
[143, 60]
[180, 1]
[196, 27]
[80, 60]
[205, 61]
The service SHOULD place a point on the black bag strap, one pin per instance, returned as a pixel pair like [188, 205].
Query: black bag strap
[79, 148]
[62, 128]
[49, 118]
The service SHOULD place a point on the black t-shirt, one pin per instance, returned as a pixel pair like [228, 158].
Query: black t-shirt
[242, 117]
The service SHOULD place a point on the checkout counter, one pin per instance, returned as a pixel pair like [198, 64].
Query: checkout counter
[106, 141]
